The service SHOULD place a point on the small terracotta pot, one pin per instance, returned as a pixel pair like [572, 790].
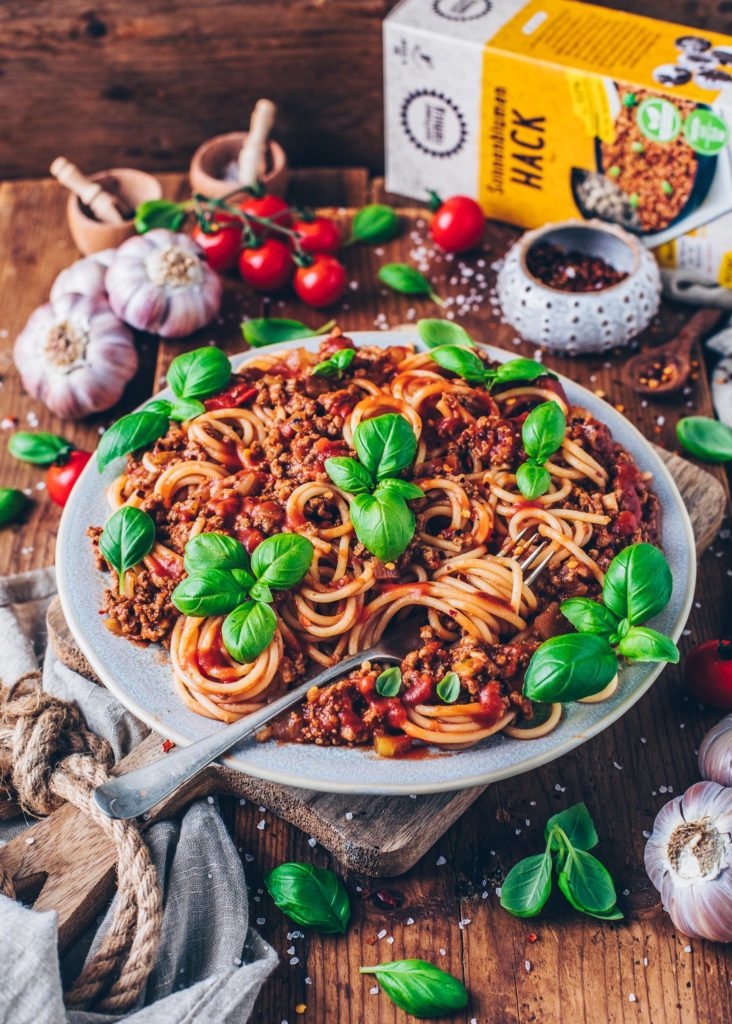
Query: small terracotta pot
[92, 235]
[212, 157]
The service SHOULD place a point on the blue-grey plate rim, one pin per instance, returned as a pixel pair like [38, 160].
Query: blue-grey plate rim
[123, 667]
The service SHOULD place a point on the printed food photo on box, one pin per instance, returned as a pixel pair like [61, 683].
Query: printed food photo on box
[550, 109]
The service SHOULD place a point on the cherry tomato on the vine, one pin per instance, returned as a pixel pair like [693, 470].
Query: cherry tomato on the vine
[220, 243]
[273, 207]
[266, 267]
[61, 477]
[322, 282]
[458, 224]
[708, 673]
[321, 234]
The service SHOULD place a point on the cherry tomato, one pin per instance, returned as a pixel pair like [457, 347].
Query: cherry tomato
[220, 243]
[318, 235]
[458, 224]
[268, 267]
[273, 207]
[60, 478]
[708, 673]
[322, 282]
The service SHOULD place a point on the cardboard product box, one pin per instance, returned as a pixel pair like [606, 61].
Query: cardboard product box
[546, 109]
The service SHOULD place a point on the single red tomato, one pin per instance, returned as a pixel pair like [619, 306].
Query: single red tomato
[322, 282]
[458, 224]
[708, 673]
[221, 244]
[266, 267]
[61, 477]
[321, 234]
[273, 207]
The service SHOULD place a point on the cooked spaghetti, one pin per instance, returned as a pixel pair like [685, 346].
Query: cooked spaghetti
[252, 466]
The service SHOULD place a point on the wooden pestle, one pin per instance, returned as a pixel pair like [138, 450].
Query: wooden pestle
[103, 204]
[252, 156]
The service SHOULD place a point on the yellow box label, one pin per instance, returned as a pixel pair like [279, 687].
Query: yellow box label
[666, 255]
[725, 271]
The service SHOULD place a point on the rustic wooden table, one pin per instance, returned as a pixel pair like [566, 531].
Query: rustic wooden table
[560, 967]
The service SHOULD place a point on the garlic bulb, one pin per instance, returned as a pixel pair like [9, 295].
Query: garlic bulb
[75, 355]
[161, 282]
[715, 753]
[85, 277]
[689, 860]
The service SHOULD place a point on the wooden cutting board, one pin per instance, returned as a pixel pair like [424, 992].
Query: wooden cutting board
[69, 865]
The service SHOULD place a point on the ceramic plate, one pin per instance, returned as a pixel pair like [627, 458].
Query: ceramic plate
[141, 678]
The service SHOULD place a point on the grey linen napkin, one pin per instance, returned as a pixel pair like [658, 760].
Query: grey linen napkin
[210, 965]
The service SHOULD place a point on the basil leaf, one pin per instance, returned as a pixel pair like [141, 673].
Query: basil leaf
[520, 369]
[214, 551]
[420, 988]
[283, 560]
[643, 644]
[437, 332]
[407, 280]
[136, 430]
[706, 438]
[570, 667]
[261, 592]
[248, 630]
[577, 825]
[527, 886]
[159, 213]
[543, 431]
[587, 883]
[403, 488]
[638, 583]
[589, 616]
[40, 448]
[349, 475]
[312, 897]
[128, 535]
[374, 224]
[533, 480]
[448, 688]
[389, 683]
[212, 592]
[460, 361]
[383, 523]
[12, 503]
[338, 362]
[161, 405]
[199, 373]
[613, 914]
[263, 331]
[186, 409]
[385, 444]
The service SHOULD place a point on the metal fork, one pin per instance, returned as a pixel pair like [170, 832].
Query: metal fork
[131, 795]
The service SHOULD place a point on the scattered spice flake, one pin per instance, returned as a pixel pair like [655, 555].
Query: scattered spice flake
[167, 745]
[301, 1008]
[532, 937]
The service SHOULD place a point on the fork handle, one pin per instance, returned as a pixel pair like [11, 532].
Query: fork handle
[128, 796]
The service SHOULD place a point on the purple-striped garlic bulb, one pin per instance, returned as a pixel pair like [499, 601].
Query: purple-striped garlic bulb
[85, 277]
[160, 282]
[75, 355]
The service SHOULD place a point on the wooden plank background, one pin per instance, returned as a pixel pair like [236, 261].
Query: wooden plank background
[142, 82]
[560, 967]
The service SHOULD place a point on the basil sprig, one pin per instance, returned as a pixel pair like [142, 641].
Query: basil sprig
[582, 878]
[38, 447]
[374, 224]
[637, 586]
[272, 331]
[192, 376]
[706, 438]
[12, 503]
[437, 333]
[389, 683]
[128, 535]
[312, 897]
[336, 364]
[400, 277]
[382, 520]
[457, 358]
[159, 213]
[542, 435]
[420, 988]
[221, 581]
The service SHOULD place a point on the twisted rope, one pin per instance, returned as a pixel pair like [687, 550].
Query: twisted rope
[48, 757]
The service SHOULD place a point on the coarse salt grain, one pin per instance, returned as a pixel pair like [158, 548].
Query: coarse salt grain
[312, 841]
[440, 861]
[632, 998]
[381, 934]
[262, 825]
[374, 990]
[527, 966]
[410, 920]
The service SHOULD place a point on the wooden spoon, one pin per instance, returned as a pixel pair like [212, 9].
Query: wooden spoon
[665, 370]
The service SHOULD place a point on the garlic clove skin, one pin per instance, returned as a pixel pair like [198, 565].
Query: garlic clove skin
[75, 355]
[85, 277]
[161, 282]
[715, 753]
[689, 860]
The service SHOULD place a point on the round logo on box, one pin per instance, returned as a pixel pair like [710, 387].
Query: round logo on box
[462, 10]
[433, 123]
